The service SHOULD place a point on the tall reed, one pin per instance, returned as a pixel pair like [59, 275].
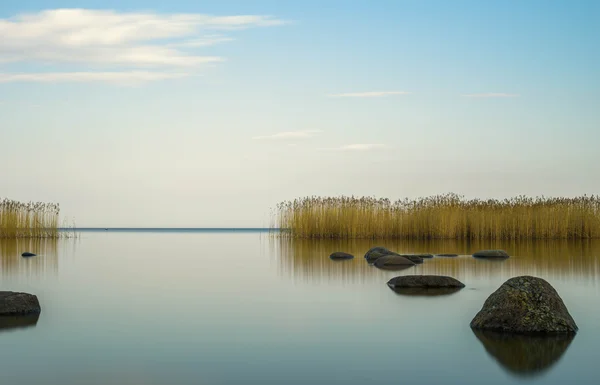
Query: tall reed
[448, 216]
[28, 220]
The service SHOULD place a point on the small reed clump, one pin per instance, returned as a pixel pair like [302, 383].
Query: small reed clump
[28, 220]
[448, 216]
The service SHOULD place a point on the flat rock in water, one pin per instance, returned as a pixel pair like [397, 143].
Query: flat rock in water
[12, 303]
[376, 252]
[412, 257]
[341, 255]
[491, 254]
[446, 255]
[424, 255]
[393, 262]
[424, 281]
[28, 254]
[525, 305]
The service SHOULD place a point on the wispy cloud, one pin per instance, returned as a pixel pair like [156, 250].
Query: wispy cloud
[125, 78]
[491, 95]
[358, 147]
[371, 94]
[290, 135]
[128, 42]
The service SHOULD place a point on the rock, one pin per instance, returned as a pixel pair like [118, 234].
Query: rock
[393, 262]
[525, 355]
[525, 305]
[424, 255]
[12, 303]
[28, 254]
[491, 254]
[446, 255]
[341, 255]
[376, 252]
[412, 257]
[426, 285]
[424, 281]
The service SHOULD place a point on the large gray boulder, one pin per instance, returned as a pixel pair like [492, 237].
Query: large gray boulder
[393, 262]
[525, 305]
[12, 303]
[491, 254]
[338, 255]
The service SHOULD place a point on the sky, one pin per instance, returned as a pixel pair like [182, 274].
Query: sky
[208, 113]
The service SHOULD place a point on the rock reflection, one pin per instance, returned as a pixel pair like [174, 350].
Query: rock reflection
[12, 263]
[425, 291]
[557, 260]
[9, 323]
[525, 355]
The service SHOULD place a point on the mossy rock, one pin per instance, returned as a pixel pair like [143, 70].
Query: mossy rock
[526, 305]
[393, 262]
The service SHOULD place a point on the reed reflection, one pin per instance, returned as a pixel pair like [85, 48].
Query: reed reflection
[525, 355]
[45, 261]
[556, 259]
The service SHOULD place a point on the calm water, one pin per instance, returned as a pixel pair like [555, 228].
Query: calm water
[218, 307]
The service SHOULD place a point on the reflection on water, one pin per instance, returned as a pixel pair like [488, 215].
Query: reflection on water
[525, 355]
[10, 323]
[425, 291]
[46, 260]
[309, 259]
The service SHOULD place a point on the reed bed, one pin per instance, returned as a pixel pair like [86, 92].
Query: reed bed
[28, 220]
[448, 216]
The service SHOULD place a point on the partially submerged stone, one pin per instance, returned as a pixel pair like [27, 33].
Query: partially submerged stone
[341, 255]
[424, 281]
[412, 257]
[376, 252]
[525, 305]
[28, 254]
[491, 254]
[12, 303]
[393, 262]
[446, 255]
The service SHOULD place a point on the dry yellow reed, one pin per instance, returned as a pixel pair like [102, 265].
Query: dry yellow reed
[28, 220]
[448, 216]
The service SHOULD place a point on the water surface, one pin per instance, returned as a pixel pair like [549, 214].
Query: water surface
[227, 307]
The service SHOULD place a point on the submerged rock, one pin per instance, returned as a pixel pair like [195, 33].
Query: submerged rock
[525, 355]
[341, 255]
[28, 254]
[446, 255]
[12, 303]
[525, 305]
[393, 262]
[491, 254]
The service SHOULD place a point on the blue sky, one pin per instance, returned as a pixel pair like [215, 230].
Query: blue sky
[183, 113]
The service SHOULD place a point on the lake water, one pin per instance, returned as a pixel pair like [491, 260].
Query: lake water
[231, 307]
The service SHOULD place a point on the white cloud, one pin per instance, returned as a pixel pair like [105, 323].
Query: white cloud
[127, 78]
[119, 41]
[372, 94]
[491, 95]
[290, 135]
[358, 147]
